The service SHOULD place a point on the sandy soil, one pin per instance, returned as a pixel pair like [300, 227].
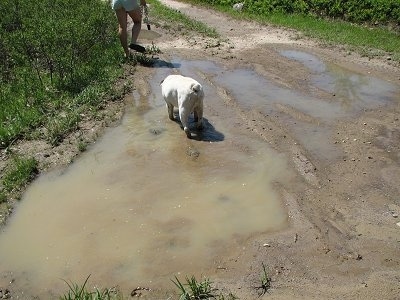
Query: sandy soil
[343, 241]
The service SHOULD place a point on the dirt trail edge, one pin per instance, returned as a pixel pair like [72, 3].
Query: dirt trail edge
[343, 241]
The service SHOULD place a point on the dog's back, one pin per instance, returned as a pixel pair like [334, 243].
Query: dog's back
[185, 93]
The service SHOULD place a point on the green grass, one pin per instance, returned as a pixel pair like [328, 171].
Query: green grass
[80, 292]
[18, 174]
[366, 40]
[340, 32]
[55, 66]
[171, 18]
[265, 282]
[194, 289]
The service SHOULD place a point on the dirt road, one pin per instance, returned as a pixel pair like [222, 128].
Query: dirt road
[343, 241]
[335, 117]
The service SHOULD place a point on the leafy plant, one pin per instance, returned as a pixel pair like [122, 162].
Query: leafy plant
[194, 289]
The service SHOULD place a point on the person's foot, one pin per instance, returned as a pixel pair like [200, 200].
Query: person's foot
[137, 48]
[130, 55]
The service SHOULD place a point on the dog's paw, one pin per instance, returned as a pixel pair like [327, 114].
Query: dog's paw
[187, 131]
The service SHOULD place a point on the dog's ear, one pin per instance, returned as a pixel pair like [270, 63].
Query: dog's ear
[195, 87]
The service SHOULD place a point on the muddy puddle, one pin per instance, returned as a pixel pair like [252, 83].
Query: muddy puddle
[310, 118]
[144, 203]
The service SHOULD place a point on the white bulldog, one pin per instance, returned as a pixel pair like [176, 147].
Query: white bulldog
[186, 94]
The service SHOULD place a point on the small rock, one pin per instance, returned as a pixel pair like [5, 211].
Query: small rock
[156, 131]
[394, 210]
[238, 6]
[398, 224]
[266, 245]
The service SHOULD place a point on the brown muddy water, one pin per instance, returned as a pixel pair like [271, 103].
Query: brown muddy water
[144, 203]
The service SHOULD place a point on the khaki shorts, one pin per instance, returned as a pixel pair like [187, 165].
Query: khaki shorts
[128, 5]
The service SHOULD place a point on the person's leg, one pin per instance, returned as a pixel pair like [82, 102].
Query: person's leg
[136, 16]
[122, 30]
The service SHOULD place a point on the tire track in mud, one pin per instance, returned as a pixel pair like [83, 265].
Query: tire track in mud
[262, 124]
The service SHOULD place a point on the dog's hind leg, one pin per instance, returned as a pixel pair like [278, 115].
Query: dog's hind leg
[170, 109]
[198, 117]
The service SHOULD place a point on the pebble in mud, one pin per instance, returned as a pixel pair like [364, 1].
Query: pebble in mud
[156, 131]
[193, 152]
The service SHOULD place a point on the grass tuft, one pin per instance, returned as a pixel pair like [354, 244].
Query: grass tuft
[265, 282]
[195, 289]
[172, 18]
[80, 292]
[20, 173]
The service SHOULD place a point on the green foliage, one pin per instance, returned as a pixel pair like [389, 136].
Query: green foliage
[50, 52]
[21, 172]
[195, 290]
[265, 281]
[310, 18]
[174, 18]
[358, 11]
[79, 292]
[82, 146]
[58, 128]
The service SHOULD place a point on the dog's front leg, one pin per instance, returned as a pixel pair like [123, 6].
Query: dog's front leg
[184, 116]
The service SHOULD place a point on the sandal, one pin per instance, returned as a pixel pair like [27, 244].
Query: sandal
[137, 48]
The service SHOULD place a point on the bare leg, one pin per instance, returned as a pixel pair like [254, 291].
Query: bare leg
[122, 30]
[136, 16]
